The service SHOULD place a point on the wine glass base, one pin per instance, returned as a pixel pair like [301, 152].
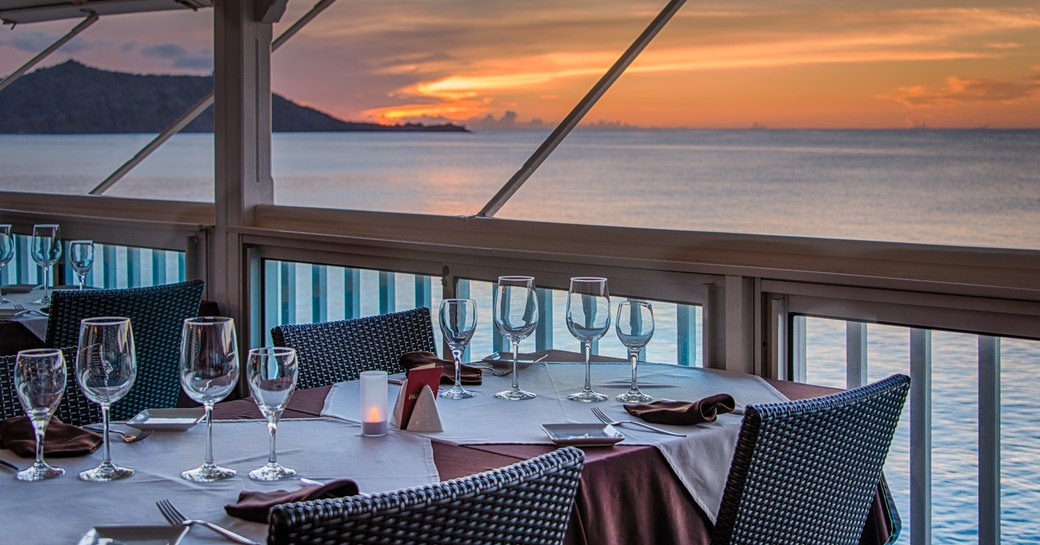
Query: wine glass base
[515, 394]
[634, 396]
[208, 473]
[272, 472]
[39, 472]
[587, 396]
[457, 392]
[105, 472]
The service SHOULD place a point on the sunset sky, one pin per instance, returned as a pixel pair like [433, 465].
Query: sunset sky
[718, 64]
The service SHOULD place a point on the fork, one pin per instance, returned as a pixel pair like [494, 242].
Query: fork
[9, 465]
[602, 416]
[125, 436]
[176, 518]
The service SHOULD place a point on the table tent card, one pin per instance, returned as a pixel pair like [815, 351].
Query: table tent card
[416, 405]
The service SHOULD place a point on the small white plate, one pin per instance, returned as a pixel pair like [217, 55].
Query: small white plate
[583, 435]
[135, 535]
[166, 419]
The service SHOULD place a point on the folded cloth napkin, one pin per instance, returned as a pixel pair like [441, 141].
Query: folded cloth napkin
[254, 506]
[61, 441]
[683, 413]
[470, 375]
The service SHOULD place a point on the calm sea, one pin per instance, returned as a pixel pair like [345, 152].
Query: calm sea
[978, 188]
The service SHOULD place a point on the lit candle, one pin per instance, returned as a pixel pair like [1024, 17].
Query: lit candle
[373, 402]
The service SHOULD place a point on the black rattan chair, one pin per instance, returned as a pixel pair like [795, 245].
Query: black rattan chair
[529, 502]
[74, 408]
[805, 472]
[156, 315]
[331, 352]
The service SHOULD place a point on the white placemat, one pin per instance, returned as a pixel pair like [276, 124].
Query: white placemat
[61, 510]
[33, 320]
[700, 460]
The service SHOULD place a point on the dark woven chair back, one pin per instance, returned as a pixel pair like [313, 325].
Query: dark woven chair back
[331, 352]
[806, 472]
[74, 408]
[529, 502]
[156, 315]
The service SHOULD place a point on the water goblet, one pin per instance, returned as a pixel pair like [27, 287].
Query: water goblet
[271, 373]
[81, 257]
[39, 380]
[458, 322]
[106, 366]
[588, 319]
[209, 371]
[516, 316]
[634, 327]
[6, 255]
[46, 251]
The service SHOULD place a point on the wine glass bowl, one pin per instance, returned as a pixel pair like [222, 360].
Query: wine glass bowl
[81, 258]
[106, 367]
[208, 371]
[271, 374]
[39, 380]
[635, 327]
[6, 255]
[588, 319]
[46, 251]
[458, 318]
[516, 317]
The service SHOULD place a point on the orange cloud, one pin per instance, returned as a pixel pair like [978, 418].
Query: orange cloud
[960, 91]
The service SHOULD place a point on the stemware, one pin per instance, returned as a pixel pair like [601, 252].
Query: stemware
[209, 371]
[46, 251]
[39, 379]
[81, 257]
[6, 255]
[271, 373]
[634, 327]
[588, 319]
[458, 322]
[516, 316]
[106, 367]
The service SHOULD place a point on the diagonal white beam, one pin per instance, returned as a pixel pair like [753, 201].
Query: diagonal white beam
[91, 19]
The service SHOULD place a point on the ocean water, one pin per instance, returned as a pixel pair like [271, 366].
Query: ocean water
[976, 188]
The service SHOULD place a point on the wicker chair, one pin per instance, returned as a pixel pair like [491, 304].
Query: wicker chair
[156, 315]
[806, 472]
[74, 408]
[529, 502]
[331, 352]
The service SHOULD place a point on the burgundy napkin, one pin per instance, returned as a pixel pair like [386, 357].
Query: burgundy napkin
[470, 375]
[61, 441]
[683, 413]
[254, 506]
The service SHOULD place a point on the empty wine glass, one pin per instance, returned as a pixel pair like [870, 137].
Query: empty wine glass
[209, 371]
[81, 257]
[271, 373]
[516, 316]
[39, 379]
[6, 255]
[588, 319]
[634, 327]
[106, 367]
[46, 251]
[458, 322]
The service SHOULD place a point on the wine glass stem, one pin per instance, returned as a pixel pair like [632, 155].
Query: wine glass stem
[209, 433]
[39, 430]
[106, 455]
[48, 281]
[82, 279]
[633, 355]
[272, 429]
[588, 366]
[456, 354]
[516, 357]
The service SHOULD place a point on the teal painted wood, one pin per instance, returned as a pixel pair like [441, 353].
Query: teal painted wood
[352, 293]
[319, 293]
[543, 335]
[387, 292]
[686, 334]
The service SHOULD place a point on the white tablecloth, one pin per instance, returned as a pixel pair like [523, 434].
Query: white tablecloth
[700, 460]
[61, 510]
[34, 320]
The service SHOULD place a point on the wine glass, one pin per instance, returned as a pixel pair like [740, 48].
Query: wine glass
[209, 371]
[106, 366]
[634, 327]
[6, 255]
[46, 251]
[39, 379]
[516, 316]
[588, 319]
[81, 257]
[458, 322]
[271, 373]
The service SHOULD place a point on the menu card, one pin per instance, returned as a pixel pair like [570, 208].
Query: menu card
[426, 375]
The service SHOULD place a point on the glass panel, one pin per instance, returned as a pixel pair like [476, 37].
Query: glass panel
[1020, 441]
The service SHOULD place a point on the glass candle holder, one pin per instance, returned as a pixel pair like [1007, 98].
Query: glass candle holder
[373, 403]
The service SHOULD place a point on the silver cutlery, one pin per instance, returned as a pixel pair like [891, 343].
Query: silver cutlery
[607, 420]
[9, 465]
[495, 371]
[176, 518]
[125, 436]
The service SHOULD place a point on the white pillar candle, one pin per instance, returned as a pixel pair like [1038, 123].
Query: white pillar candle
[373, 402]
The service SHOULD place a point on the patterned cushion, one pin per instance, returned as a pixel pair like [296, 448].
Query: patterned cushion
[331, 352]
[74, 408]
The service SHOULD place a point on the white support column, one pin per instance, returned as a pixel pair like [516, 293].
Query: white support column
[740, 328]
[855, 354]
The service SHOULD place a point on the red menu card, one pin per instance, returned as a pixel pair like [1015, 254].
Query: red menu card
[426, 375]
